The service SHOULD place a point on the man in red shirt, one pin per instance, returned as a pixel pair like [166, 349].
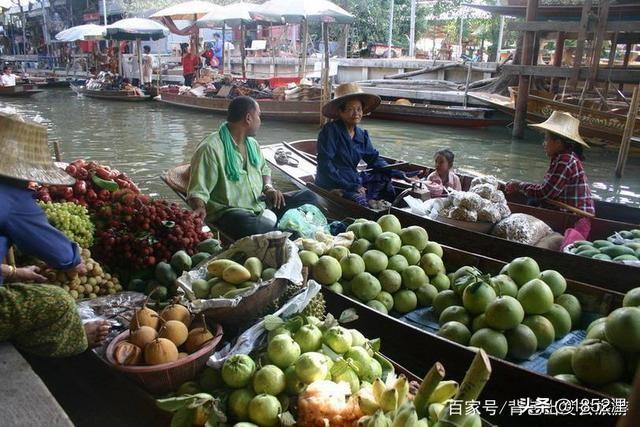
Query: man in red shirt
[189, 64]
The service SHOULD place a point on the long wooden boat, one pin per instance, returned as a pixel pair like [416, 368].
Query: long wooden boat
[610, 275]
[451, 115]
[113, 95]
[593, 123]
[19, 91]
[507, 378]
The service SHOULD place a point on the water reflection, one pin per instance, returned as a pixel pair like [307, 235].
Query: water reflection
[146, 138]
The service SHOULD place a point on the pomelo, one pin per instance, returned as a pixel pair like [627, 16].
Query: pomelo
[454, 313]
[365, 286]
[493, 342]
[504, 285]
[523, 269]
[390, 223]
[504, 313]
[338, 252]
[426, 293]
[597, 363]
[413, 277]
[555, 281]
[375, 261]
[386, 299]
[536, 297]
[264, 410]
[309, 338]
[283, 350]
[390, 280]
[432, 264]
[573, 307]
[370, 230]
[388, 242]
[445, 299]
[560, 319]
[378, 306]
[522, 342]
[622, 328]
[351, 265]
[456, 332]
[479, 322]
[543, 328]
[440, 281]
[397, 263]
[560, 361]
[433, 248]
[270, 380]
[414, 236]
[411, 254]
[596, 330]
[327, 270]
[477, 297]
[355, 228]
[360, 246]
[404, 301]
[595, 322]
[338, 339]
[632, 298]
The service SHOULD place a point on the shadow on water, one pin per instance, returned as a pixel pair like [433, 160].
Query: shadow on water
[147, 138]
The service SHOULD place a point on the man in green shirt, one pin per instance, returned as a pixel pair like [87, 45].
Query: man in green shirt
[230, 178]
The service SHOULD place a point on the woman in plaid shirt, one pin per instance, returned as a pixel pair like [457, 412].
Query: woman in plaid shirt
[565, 179]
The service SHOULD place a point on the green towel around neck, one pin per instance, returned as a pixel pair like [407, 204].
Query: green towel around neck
[231, 164]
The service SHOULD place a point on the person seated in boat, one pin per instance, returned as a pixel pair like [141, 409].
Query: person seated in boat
[342, 144]
[230, 179]
[127, 86]
[565, 180]
[443, 177]
[39, 318]
[7, 78]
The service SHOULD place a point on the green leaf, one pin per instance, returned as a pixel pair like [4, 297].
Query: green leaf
[183, 418]
[295, 323]
[200, 401]
[216, 416]
[272, 322]
[375, 344]
[387, 367]
[330, 353]
[349, 315]
[172, 404]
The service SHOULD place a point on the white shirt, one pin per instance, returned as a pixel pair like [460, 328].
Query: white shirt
[8, 80]
[147, 68]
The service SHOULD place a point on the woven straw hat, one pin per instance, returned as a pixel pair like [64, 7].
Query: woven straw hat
[24, 153]
[563, 124]
[178, 178]
[344, 93]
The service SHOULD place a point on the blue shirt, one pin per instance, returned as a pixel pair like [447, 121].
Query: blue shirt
[217, 48]
[339, 155]
[24, 224]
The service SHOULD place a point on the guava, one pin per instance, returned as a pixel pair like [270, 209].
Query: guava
[455, 331]
[388, 242]
[351, 266]
[523, 269]
[504, 313]
[270, 380]
[597, 363]
[311, 367]
[405, 301]
[238, 403]
[413, 277]
[374, 371]
[560, 361]
[237, 370]
[493, 342]
[264, 410]
[365, 286]
[542, 328]
[390, 280]
[283, 350]
[454, 313]
[309, 338]
[338, 339]
[477, 297]
[360, 359]
[555, 281]
[327, 270]
[622, 328]
[432, 264]
[347, 375]
[295, 386]
[536, 297]
[375, 261]
[522, 342]
[411, 254]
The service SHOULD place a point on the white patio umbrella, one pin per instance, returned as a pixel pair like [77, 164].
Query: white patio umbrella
[81, 32]
[189, 10]
[136, 29]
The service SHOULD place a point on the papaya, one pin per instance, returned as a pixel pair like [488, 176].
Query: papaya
[588, 253]
[617, 250]
[601, 243]
[603, 257]
[209, 245]
[626, 257]
[236, 274]
[254, 265]
[220, 289]
[199, 257]
[216, 267]
[180, 261]
[164, 274]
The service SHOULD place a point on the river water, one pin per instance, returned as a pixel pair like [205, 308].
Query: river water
[147, 138]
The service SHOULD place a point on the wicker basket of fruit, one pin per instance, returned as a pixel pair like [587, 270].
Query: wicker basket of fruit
[162, 351]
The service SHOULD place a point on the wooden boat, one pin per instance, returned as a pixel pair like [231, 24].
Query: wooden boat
[114, 95]
[507, 377]
[451, 115]
[19, 91]
[593, 123]
[610, 275]
[51, 82]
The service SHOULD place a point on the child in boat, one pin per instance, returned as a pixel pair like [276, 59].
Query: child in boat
[443, 177]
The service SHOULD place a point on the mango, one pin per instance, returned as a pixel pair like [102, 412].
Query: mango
[215, 268]
[254, 265]
[236, 274]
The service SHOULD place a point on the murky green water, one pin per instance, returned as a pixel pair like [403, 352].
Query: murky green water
[145, 139]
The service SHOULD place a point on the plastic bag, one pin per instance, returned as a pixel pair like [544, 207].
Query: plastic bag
[306, 220]
[522, 228]
[489, 179]
[483, 190]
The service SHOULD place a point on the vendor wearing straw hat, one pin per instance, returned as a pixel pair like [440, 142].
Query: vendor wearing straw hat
[565, 180]
[342, 144]
[38, 318]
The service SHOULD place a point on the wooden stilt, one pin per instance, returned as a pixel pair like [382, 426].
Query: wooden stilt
[625, 62]
[582, 34]
[305, 38]
[629, 126]
[557, 59]
[326, 85]
[612, 60]
[520, 118]
[243, 53]
[603, 17]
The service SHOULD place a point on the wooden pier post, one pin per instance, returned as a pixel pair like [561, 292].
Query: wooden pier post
[520, 118]
[612, 60]
[582, 35]
[623, 154]
[603, 18]
[625, 62]
[557, 59]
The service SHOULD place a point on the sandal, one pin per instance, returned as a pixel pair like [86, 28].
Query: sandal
[283, 157]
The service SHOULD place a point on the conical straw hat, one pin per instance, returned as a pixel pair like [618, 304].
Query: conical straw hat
[24, 153]
[563, 124]
[344, 93]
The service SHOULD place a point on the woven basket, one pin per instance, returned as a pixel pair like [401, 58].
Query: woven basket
[160, 379]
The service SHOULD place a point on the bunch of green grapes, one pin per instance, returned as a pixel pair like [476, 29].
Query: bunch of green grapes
[72, 219]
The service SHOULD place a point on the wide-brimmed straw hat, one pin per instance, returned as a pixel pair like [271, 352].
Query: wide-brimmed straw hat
[24, 153]
[344, 93]
[563, 124]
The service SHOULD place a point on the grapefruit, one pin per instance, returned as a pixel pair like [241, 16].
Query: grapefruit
[378, 306]
[597, 363]
[397, 263]
[441, 282]
[456, 332]
[560, 361]
[370, 230]
[542, 328]
[596, 329]
[390, 280]
[360, 246]
[560, 319]
[445, 299]
[388, 242]
[454, 313]
[327, 270]
[477, 297]
[351, 265]
[426, 293]
[536, 297]
[632, 298]
[386, 299]
[405, 301]
[504, 285]
[523, 269]
[479, 322]
[414, 236]
[433, 248]
[413, 277]
[555, 281]
[432, 264]
[411, 254]
[365, 286]
[504, 313]
[308, 258]
[573, 307]
[522, 342]
[338, 252]
[493, 342]
[375, 261]
[390, 223]
[622, 328]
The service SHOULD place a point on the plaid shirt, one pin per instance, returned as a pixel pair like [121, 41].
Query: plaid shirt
[565, 181]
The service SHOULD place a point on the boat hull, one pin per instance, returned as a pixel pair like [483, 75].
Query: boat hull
[19, 91]
[438, 115]
[114, 95]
